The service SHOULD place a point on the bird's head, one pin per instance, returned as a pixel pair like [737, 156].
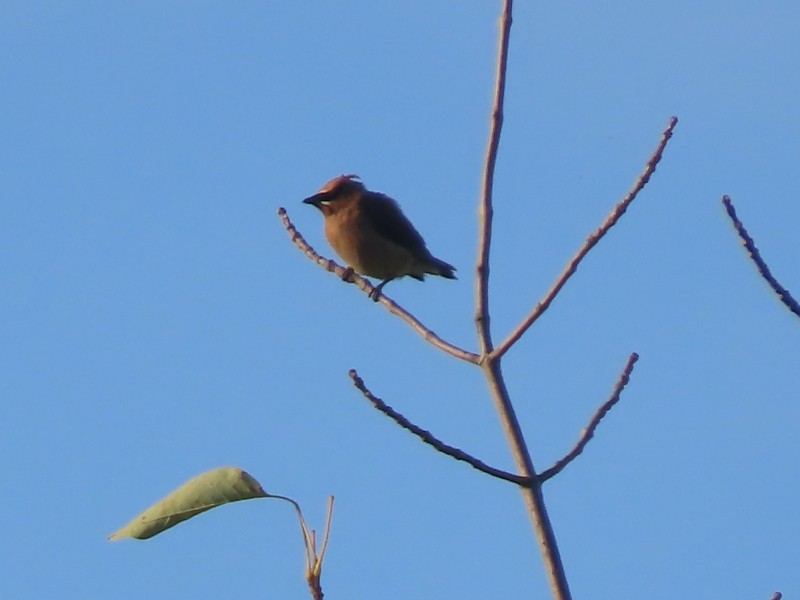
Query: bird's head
[334, 192]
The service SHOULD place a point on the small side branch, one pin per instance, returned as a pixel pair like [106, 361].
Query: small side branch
[429, 438]
[365, 286]
[588, 432]
[755, 255]
[591, 241]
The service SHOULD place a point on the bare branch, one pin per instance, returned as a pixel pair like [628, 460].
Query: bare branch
[755, 255]
[429, 438]
[531, 494]
[590, 242]
[365, 286]
[485, 211]
[588, 432]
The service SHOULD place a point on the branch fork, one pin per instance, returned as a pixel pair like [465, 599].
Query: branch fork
[488, 358]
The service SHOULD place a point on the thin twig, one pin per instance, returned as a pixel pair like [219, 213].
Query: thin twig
[365, 286]
[308, 536]
[429, 438]
[755, 255]
[590, 242]
[485, 211]
[588, 432]
[326, 537]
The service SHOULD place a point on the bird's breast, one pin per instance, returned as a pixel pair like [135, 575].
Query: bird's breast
[364, 249]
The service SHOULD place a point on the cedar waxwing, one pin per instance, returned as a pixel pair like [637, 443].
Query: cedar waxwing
[370, 232]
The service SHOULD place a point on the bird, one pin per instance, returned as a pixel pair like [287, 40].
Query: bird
[369, 231]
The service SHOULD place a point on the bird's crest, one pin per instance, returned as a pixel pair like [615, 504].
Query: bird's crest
[338, 182]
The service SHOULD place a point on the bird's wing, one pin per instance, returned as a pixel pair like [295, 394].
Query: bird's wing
[390, 222]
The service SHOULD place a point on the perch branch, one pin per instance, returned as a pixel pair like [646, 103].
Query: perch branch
[590, 242]
[588, 432]
[755, 255]
[365, 286]
[429, 438]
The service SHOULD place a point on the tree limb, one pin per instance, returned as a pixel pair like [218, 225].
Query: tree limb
[429, 438]
[532, 494]
[590, 242]
[365, 286]
[755, 255]
[589, 430]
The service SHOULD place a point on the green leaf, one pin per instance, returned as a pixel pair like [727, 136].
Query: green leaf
[206, 491]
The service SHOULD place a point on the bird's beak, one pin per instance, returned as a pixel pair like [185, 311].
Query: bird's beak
[313, 200]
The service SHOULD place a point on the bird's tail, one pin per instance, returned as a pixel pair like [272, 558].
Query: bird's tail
[439, 267]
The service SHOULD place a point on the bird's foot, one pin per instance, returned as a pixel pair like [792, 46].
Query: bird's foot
[349, 275]
[377, 291]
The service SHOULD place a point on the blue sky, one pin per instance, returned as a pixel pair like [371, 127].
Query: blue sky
[156, 321]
